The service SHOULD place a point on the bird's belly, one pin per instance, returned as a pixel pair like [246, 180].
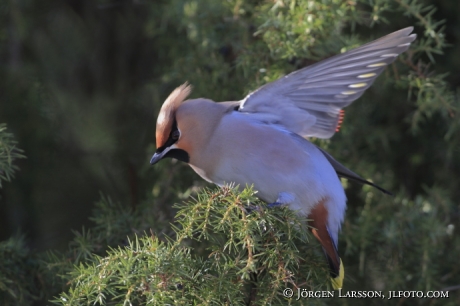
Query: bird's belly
[272, 160]
[272, 179]
[204, 174]
[267, 189]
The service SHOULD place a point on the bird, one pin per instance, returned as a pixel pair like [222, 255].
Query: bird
[262, 140]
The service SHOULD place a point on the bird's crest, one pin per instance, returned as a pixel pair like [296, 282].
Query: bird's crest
[166, 117]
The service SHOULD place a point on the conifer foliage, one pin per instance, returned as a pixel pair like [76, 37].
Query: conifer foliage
[250, 255]
[80, 90]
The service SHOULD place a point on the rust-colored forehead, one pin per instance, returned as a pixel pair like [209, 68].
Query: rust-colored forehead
[167, 113]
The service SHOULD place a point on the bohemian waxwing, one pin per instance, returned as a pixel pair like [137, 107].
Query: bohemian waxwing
[260, 140]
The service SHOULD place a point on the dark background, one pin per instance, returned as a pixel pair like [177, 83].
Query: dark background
[81, 83]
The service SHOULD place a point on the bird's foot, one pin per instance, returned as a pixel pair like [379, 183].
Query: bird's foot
[275, 204]
[284, 198]
[253, 208]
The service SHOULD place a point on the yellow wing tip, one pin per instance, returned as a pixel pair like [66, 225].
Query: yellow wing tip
[337, 281]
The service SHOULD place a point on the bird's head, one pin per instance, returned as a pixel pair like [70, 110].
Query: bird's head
[168, 133]
[184, 127]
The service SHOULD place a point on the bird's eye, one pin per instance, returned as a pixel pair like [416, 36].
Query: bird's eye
[175, 135]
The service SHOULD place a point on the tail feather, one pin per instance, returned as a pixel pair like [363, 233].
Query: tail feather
[337, 281]
[318, 217]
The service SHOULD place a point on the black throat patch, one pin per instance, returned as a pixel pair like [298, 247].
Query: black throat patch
[178, 154]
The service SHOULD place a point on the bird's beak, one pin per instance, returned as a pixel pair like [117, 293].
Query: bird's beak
[157, 157]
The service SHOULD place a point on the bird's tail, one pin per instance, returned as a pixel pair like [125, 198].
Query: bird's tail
[337, 278]
[336, 269]
[318, 221]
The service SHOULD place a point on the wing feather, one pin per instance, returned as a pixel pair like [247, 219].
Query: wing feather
[308, 101]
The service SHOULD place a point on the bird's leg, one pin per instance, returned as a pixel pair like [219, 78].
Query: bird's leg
[274, 204]
[251, 208]
[284, 198]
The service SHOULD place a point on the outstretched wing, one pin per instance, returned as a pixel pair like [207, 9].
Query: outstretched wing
[308, 102]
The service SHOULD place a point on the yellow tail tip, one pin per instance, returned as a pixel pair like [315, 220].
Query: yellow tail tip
[337, 281]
